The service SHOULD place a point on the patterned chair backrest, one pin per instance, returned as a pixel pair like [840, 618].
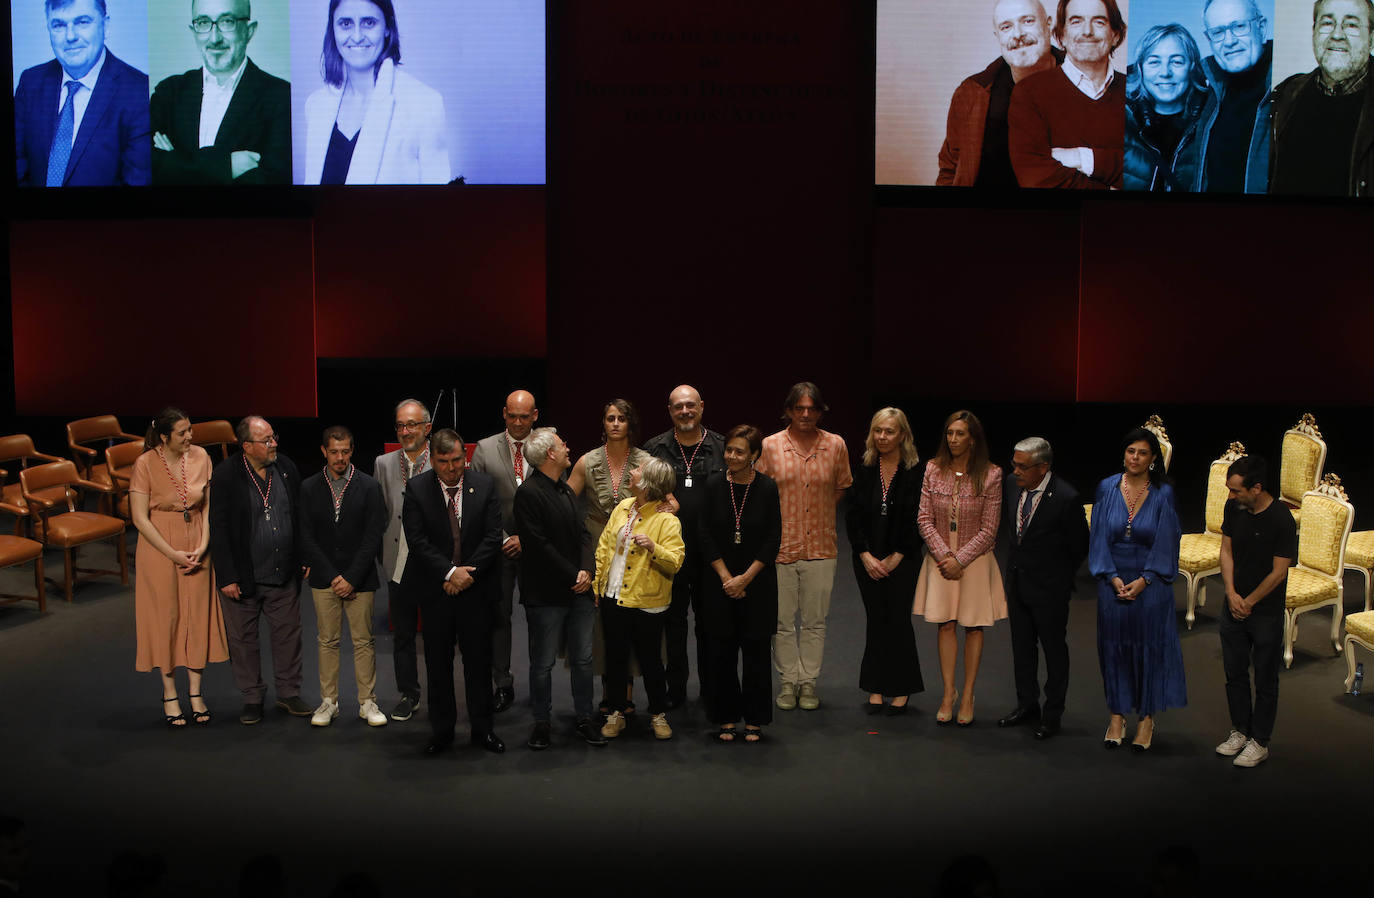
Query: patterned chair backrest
[1326, 520]
[1155, 425]
[1217, 491]
[1304, 456]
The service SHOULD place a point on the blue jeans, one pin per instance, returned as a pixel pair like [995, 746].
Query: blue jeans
[571, 626]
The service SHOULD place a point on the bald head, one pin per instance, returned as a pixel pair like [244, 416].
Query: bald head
[1022, 29]
[685, 407]
[520, 414]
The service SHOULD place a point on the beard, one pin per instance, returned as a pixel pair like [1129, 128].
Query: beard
[1025, 55]
[1341, 60]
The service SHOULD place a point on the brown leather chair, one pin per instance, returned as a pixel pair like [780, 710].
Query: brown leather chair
[102, 431]
[214, 433]
[17, 550]
[119, 465]
[59, 525]
[18, 447]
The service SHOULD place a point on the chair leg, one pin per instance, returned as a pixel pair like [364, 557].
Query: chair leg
[1202, 592]
[38, 581]
[1336, 615]
[1349, 664]
[123, 560]
[1189, 616]
[1290, 631]
[68, 573]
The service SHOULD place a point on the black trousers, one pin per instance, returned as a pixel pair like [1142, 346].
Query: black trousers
[467, 622]
[282, 608]
[890, 665]
[748, 694]
[1047, 624]
[630, 628]
[685, 595]
[405, 621]
[1257, 640]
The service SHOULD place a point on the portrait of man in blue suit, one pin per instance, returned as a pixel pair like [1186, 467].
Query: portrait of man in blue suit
[81, 119]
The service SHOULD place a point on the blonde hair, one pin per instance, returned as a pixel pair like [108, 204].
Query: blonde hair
[908, 446]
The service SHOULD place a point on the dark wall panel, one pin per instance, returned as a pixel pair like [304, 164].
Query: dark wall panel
[128, 316]
[426, 273]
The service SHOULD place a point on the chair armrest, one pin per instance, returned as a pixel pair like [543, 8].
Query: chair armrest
[128, 436]
[34, 501]
[46, 457]
[92, 485]
[83, 450]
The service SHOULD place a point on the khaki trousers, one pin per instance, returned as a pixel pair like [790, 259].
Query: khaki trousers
[329, 613]
[803, 591]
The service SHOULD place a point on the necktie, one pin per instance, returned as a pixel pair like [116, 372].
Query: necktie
[519, 462]
[454, 524]
[1027, 501]
[61, 151]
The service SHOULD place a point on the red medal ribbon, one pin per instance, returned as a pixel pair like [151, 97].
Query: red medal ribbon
[738, 509]
[266, 497]
[338, 497]
[183, 490]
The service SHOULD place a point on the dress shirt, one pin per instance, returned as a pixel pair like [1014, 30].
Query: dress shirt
[82, 98]
[443, 491]
[1033, 497]
[214, 102]
[806, 486]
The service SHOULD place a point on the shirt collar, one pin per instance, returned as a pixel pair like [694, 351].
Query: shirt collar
[1043, 484]
[88, 80]
[1342, 88]
[210, 83]
[1081, 81]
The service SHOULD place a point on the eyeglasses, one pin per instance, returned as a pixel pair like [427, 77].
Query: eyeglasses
[225, 23]
[271, 440]
[1351, 28]
[404, 426]
[1238, 29]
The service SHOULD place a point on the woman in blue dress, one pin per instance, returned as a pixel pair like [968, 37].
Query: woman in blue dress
[1133, 553]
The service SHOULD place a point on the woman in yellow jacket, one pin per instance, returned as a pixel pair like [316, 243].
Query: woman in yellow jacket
[640, 551]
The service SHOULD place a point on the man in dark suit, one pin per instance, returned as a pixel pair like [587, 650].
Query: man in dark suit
[1043, 540]
[256, 550]
[228, 122]
[502, 455]
[452, 520]
[554, 586]
[342, 521]
[81, 120]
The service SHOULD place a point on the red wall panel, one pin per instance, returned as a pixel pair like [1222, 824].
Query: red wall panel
[129, 316]
[957, 291]
[1225, 303]
[426, 272]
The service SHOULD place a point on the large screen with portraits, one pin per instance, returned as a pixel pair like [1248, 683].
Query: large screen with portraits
[1216, 96]
[278, 92]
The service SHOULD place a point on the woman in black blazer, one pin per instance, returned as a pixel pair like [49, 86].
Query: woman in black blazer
[881, 520]
[739, 531]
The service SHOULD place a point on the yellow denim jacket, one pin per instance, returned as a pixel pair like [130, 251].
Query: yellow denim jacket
[648, 579]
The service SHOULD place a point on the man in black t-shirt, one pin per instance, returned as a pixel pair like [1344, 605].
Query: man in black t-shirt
[1259, 541]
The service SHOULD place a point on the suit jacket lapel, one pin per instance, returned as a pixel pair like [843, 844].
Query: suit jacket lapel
[47, 98]
[1045, 508]
[105, 89]
[507, 460]
[186, 118]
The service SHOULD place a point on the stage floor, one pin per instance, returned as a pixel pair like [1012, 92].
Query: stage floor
[834, 800]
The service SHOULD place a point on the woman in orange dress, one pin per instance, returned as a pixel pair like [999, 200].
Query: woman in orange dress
[959, 583]
[176, 615]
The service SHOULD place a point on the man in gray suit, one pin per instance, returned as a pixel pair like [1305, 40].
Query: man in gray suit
[393, 470]
[502, 457]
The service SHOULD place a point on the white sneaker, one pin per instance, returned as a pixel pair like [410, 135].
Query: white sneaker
[615, 723]
[325, 713]
[1233, 744]
[659, 722]
[1253, 755]
[372, 714]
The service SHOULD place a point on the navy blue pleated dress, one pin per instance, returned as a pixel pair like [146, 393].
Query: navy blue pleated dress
[1137, 641]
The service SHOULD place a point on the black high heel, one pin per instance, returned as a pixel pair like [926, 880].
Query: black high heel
[199, 717]
[172, 719]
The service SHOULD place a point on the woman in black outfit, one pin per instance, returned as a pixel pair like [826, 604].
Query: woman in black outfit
[881, 519]
[740, 531]
[1167, 98]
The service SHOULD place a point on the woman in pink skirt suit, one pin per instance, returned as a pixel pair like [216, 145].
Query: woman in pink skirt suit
[959, 584]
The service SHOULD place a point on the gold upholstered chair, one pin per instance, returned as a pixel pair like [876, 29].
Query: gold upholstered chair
[1199, 554]
[1359, 557]
[1155, 425]
[1300, 468]
[1359, 630]
[1317, 581]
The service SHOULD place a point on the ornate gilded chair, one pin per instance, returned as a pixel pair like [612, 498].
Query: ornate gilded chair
[59, 525]
[1359, 630]
[18, 447]
[1359, 556]
[1155, 425]
[1199, 554]
[1317, 581]
[1300, 468]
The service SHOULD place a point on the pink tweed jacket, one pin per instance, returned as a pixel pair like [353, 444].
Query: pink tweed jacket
[978, 515]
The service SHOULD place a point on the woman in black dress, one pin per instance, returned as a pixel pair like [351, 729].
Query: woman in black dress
[740, 531]
[881, 519]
